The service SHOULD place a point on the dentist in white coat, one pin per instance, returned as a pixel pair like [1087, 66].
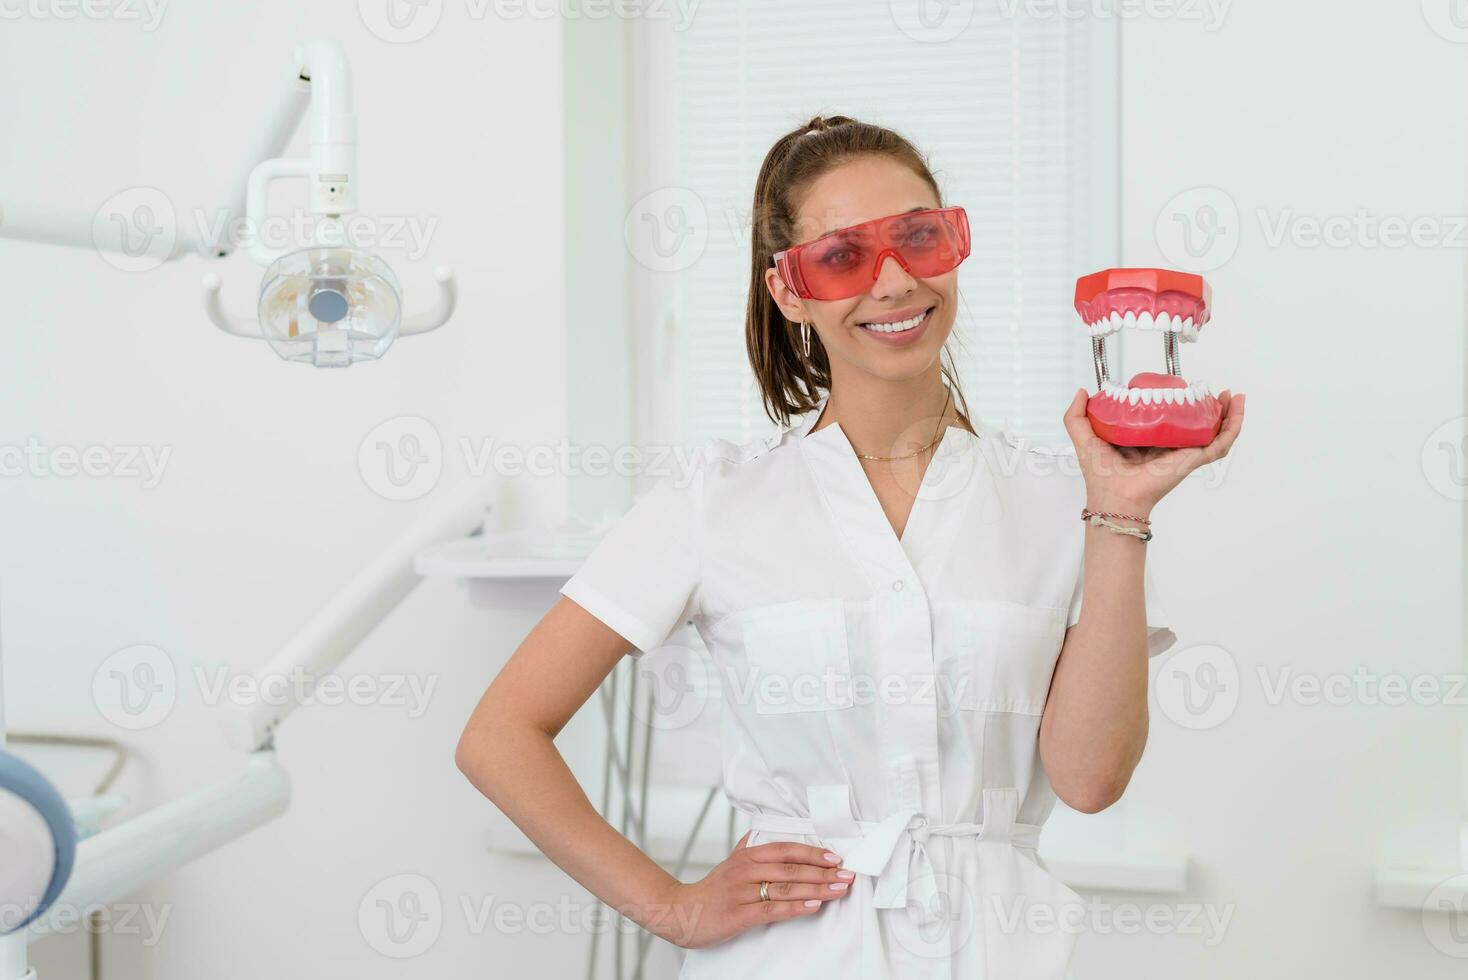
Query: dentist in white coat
[920, 644]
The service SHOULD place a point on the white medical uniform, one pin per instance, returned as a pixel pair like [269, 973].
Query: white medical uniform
[881, 696]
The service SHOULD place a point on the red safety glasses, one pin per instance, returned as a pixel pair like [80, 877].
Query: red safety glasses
[845, 262]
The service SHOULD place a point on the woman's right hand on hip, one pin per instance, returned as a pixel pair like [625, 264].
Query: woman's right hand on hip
[727, 900]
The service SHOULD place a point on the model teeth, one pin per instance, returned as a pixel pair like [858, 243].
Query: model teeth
[1129, 320]
[898, 326]
[1192, 394]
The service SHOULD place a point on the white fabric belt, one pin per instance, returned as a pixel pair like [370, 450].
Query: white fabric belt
[905, 874]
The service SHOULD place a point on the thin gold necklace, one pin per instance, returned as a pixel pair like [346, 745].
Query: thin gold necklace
[930, 445]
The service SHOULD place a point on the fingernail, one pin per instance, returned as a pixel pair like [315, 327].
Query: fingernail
[839, 886]
[833, 858]
[846, 874]
[812, 902]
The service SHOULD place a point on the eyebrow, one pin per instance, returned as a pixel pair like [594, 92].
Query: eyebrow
[920, 207]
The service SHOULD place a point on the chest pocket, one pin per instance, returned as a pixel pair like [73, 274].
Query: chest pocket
[1005, 655]
[798, 656]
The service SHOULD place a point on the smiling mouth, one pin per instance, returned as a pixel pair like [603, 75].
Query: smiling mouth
[898, 326]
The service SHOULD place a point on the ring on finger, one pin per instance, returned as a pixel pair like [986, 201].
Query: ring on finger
[764, 891]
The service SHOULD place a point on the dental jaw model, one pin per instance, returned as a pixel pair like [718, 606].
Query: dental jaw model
[1152, 409]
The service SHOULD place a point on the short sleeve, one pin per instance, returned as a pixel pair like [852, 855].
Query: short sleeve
[1160, 636]
[641, 578]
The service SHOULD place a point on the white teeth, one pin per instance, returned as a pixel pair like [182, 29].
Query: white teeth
[1192, 394]
[896, 327]
[1145, 320]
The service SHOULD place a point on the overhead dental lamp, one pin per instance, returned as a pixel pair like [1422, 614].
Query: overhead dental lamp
[326, 301]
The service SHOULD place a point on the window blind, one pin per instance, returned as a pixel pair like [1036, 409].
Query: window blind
[1017, 129]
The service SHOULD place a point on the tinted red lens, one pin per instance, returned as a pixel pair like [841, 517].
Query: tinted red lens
[845, 263]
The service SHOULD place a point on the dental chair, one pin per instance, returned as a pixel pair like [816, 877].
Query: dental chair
[51, 871]
[38, 841]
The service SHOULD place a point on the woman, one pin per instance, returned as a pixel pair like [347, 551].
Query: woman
[908, 679]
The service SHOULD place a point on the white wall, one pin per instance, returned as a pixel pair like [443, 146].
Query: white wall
[1326, 547]
[263, 510]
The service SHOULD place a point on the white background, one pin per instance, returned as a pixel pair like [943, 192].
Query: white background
[1327, 546]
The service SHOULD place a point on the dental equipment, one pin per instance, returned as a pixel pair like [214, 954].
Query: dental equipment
[1151, 409]
[118, 861]
[38, 839]
[326, 302]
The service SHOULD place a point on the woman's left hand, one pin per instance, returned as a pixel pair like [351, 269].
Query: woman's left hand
[1129, 479]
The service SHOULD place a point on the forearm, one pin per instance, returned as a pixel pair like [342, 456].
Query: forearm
[1095, 723]
[520, 770]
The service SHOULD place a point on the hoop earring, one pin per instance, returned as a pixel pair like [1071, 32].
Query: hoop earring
[805, 337]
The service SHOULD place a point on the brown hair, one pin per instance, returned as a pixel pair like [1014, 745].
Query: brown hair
[789, 382]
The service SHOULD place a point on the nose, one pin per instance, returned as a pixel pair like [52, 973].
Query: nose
[893, 279]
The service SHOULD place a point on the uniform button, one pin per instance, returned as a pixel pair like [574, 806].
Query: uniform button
[897, 585]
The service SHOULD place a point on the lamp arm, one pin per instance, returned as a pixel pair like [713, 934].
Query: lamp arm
[90, 229]
[343, 622]
[117, 862]
[82, 229]
[284, 119]
[255, 199]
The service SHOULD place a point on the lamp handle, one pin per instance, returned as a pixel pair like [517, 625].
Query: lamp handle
[228, 322]
[438, 314]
